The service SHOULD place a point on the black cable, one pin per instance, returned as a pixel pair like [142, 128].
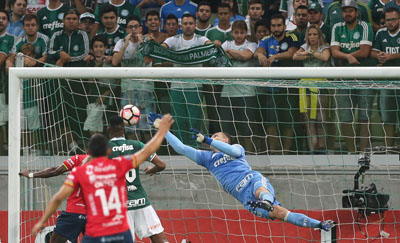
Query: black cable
[381, 226]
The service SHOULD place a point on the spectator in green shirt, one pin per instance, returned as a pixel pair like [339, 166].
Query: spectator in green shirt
[334, 13]
[350, 45]
[68, 48]
[386, 50]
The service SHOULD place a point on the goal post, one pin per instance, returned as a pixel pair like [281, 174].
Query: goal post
[345, 77]
[387, 73]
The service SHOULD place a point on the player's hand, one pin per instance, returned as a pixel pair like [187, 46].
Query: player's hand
[166, 123]
[37, 228]
[148, 170]
[200, 138]
[24, 173]
[154, 119]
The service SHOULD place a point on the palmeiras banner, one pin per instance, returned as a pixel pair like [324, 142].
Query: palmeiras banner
[214, 56]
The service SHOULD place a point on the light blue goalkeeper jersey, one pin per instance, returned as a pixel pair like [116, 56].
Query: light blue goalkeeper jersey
[231, 172]
[230, 168]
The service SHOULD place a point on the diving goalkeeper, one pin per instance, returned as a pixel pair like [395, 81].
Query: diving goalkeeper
[229, 166]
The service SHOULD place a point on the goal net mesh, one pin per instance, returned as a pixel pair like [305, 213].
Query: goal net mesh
[303, 135]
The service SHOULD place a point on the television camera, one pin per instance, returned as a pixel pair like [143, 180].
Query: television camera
[367, 199]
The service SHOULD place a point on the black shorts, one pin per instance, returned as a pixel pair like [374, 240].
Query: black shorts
[70, 225]
[124, 237]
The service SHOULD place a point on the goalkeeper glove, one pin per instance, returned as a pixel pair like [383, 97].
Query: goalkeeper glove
[154, 119]
[200, 137]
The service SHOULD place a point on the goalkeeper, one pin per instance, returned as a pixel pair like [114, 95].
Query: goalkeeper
[229, 166]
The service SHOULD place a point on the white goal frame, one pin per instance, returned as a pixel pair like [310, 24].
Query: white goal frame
[16, 75]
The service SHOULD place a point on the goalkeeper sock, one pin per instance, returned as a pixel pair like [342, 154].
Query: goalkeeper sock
[302, 220]
[267, 196]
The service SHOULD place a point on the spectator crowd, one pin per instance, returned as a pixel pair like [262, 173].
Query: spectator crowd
[252, 33]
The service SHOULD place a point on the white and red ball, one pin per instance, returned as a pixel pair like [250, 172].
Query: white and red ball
[130, 114]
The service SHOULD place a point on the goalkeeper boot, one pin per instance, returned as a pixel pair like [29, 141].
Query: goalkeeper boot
[327, 225]
[264, 204]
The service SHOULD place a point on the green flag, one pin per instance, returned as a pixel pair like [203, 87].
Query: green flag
[215, 56]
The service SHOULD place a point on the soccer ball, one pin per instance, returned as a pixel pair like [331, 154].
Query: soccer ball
[130, 114]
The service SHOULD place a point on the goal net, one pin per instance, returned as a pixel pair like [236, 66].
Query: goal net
[302, 128]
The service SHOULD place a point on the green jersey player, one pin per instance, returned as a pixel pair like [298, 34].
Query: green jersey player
[142, 218]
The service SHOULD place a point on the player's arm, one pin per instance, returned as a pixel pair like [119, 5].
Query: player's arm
[228, 149]
[181, 148]
[46, 173]
[175, 143]
[53, 205]
[159, 165]
[153, 145]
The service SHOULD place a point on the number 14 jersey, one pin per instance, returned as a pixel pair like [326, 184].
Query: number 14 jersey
[102, 182]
